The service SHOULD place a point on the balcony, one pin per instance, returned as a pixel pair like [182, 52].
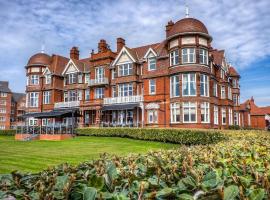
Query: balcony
[100, 81]
[68, 104]
[127, 99]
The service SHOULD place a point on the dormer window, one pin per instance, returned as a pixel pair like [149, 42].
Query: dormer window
[174, 57]
[48, 79]
[203, 56]
[152, 62]
[188, 55]
[125, 69]
[72, 78]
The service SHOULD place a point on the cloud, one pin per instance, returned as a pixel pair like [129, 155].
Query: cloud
[240, 27]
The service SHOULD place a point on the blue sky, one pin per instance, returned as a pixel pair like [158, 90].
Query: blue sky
[241, 27]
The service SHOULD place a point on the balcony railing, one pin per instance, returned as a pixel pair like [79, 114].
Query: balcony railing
[68, 104]
[100, 81]
[127, 99]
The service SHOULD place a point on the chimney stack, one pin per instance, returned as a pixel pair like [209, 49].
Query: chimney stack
[74, 53]
[102, 46]
[169, 27]
[120, 43]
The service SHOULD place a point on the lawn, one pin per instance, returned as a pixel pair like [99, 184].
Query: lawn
[34, 156]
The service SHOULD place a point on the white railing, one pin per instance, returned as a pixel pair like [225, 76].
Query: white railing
[68, 104]
[127, 99]
[99, 81]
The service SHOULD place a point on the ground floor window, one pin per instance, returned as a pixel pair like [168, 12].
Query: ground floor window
[235, 119]
[152, 116]
[175, 112]
[230, 117]
[223, 113]
[216, 115]
[205, 112]
[2, 127]
[32, 122]
[189, 112]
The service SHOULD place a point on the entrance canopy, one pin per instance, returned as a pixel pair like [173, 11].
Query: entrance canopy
[120, 106]
[54, 113]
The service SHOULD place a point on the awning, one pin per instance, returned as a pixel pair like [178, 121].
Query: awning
[53, 114]
[120, 106]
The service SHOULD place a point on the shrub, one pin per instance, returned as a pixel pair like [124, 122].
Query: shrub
[179, 136]
[8, 132]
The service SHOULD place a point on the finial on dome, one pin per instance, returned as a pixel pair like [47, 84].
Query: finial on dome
[42, 48]
[187, 10]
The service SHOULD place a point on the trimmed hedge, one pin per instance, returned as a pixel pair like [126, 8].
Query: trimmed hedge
[178, 136]
[8, 132]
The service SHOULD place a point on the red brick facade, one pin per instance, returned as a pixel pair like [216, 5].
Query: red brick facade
[180, 82]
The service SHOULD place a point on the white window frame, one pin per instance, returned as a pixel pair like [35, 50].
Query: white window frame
[188, 82]
[190, 56]
[34, 79]
[216, 115]
[99, 74]
[230, 117]
[204, 85]
[33, 99]
[223, 116]
[87, 78]
[205, 112]
[72, 78]
[174, 86]
[175, 113]
[229, 93]
[235, 119]
[87, 94]
[222, 92]
[46, 97]
[125, 69]
[99, 93]
[203, 56]
[215, 89]
[152, 86]
[3, 94]
[3, 110]
[152, 63]
[152, 116]
[48, 79]
[125, 89]
[174, 57]
[190, 107]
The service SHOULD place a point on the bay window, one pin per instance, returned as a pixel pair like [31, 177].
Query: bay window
[189, 84]
[152, 63]
[99, 93]
[230, 116]
[229, 93]
[215, 89]
[204, 85]
[216, 115]
[223, 116]
[175, 112]
[174, 86]
[87, 95]
[125, 69]
[33, 99]
[152, 116]
[189, 112]
[152, 86]
[125, 89]
[203, 56]
[48, 79]
[47, 97]
[188, 55]
[34, 79]
[72, 95]
[174, 57]
[235, 99]
[205, 112]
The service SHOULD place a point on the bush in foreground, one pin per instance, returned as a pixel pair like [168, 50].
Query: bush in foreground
[235, 169]
[7, 132]
[178, 136]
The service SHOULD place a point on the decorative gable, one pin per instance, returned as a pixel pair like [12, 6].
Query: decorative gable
[150, 53]
[46, 71]
[70, 68]
[123, 57]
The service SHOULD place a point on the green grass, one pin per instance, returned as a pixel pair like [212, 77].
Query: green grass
[34, 156]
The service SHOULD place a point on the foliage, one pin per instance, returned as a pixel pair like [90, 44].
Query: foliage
[234, 169]
[7, 132]
[178, 136]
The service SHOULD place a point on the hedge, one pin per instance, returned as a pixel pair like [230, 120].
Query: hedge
[8, 132]
[178, 136]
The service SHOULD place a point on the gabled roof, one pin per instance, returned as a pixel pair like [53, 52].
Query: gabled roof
[58, 64]
[254, 109]
[233, 72]
[218, 56]
[17, 96]
[150, 50]
[131, 54]
[141, 51]
[4, 86]
[80, 65]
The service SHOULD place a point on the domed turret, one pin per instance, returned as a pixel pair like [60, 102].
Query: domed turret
[39, 59]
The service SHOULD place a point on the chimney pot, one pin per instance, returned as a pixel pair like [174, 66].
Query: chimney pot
[120, 43]
[74, 53]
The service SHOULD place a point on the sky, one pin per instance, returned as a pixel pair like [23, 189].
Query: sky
[241, 27]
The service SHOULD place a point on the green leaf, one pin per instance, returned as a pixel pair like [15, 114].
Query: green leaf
[96, 182]
[89, 193]
[185, 197]
[61, 181]
[257, 194]
[166, 192]
[231, 192]
[211, 180]
[189, 182]
[111, 171]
